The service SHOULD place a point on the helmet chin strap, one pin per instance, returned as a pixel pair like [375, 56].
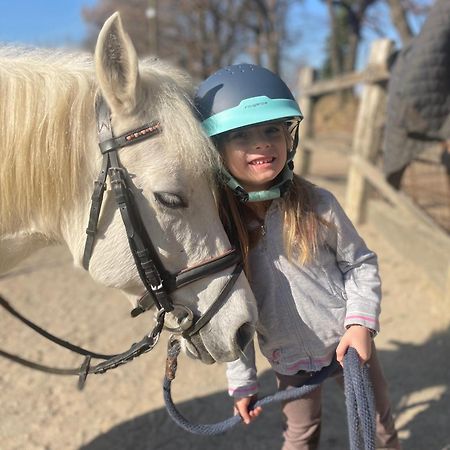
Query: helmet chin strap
[276, 191]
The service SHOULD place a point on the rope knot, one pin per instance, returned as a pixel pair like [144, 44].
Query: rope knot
[173, 350]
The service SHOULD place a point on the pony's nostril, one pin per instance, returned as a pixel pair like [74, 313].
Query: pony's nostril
[244, 335]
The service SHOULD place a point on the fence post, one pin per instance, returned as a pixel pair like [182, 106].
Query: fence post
[302, 158]
[368, 132]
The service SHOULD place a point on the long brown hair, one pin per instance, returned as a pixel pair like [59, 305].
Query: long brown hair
[301, 223]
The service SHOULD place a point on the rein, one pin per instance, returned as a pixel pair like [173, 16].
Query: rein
[358, 393]
[111, 361]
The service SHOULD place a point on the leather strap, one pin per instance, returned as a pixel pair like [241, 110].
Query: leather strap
[94, 214]
[108, 143]
[210, 267]
[214, 308]
[144, 254]
[111, 361]
[131, 137]
[74, 348]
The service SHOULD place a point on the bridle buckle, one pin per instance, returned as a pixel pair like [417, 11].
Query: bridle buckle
[184, 317]
[157, 288]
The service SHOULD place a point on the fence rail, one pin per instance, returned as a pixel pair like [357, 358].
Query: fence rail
[407, 227]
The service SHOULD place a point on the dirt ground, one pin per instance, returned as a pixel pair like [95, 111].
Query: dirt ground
[123, 409]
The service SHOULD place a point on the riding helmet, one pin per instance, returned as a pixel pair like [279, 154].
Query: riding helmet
[244, 95]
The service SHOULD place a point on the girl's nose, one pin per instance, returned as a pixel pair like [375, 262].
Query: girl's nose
[260, 140]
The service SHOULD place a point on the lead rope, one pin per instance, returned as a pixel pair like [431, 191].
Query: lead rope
[358, 392]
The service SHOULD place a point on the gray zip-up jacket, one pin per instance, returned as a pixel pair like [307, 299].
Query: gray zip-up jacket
[304, 310]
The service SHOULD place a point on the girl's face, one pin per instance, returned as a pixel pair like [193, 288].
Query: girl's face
[256, 155]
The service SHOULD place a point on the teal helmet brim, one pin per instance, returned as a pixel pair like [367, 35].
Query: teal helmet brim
[251, 111]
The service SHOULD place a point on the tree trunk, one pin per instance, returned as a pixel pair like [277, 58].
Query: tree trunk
[399, 20]
[273, 50]
[336, 68]
[349, 62]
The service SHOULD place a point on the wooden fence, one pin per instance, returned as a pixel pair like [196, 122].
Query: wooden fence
[407, 227]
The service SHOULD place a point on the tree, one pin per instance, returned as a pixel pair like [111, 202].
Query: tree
[212, 33]
[346, 19]
[267, 20]
[133, 14]
[201, 35]
[400, 21]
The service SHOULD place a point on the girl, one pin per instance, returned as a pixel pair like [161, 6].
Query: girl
[315, 281]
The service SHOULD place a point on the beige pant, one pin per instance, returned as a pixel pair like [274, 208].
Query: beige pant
[302, 416]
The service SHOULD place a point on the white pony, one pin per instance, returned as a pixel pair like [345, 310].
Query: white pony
[49, 158]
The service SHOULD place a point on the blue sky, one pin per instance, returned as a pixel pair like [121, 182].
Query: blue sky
[53, 23]
[46, 23]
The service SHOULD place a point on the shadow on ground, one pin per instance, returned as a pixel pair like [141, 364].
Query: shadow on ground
[156, 430]
[418, 375]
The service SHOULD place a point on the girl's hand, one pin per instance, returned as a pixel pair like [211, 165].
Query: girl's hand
[241, 407]
[360, 339]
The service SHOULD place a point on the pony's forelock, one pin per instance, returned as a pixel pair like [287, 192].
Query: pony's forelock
[171, 92]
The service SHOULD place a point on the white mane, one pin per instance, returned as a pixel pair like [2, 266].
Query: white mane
[47, 114]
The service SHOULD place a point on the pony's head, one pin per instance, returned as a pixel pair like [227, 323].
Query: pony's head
[170, 180]
[172, 176]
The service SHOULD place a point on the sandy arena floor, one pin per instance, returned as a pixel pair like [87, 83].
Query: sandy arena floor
[123, 409]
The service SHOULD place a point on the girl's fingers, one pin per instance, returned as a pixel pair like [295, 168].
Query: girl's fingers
[243, 412]
[340, 352]
[255, 412]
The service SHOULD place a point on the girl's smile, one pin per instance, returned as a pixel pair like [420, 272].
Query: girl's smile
[256, 155]
[262, 161]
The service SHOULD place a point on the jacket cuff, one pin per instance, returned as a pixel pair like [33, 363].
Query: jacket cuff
[244, 391]
[364, 320]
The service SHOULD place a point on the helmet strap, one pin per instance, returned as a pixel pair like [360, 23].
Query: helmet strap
[293, 150]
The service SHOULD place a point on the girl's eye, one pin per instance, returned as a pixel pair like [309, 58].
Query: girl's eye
[238, 135]
[170, 200]
[273, 130]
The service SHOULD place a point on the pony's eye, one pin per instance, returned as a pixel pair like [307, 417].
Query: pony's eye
[170, 200]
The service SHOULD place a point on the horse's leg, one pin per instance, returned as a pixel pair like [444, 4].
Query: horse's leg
[18, 246]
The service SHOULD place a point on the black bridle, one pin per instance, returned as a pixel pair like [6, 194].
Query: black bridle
[158, 282]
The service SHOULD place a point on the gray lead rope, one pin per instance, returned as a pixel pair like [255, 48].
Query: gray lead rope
[358, 392]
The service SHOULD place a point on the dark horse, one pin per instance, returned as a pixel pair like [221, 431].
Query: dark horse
[419, 96]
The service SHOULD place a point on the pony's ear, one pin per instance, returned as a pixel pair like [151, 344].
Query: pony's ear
[116, 66]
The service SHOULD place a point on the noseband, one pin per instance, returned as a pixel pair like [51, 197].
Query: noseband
[158, 282]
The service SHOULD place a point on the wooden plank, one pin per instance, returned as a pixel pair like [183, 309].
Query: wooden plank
[368, 132]
[302, 158]
[399, 199]
[372, 74]
[325, 144]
